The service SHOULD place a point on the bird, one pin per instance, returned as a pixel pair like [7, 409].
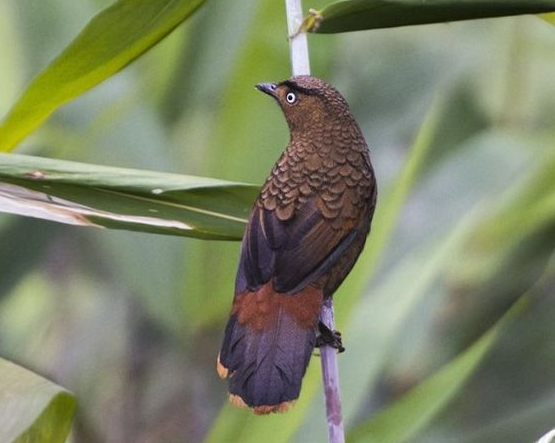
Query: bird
[304, 234]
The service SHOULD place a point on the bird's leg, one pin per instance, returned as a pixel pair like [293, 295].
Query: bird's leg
[328, 337]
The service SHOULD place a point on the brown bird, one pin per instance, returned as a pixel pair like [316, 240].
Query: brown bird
[305, 232]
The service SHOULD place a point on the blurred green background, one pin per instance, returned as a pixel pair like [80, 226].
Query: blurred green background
[132, 322]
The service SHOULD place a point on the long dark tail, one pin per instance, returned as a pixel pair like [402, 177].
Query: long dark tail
[267, 346]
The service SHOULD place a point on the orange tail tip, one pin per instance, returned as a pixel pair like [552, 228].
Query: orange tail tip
[268, 409]
[238, 402]
[223, 372]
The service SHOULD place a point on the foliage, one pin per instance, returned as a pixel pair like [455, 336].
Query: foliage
[355, 15]
[32, 409]
[124, 199]
[113, 39]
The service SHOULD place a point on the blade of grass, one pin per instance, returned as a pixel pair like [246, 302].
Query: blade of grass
[110, 41]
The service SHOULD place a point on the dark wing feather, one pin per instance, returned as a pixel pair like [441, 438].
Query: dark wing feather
[295, 252]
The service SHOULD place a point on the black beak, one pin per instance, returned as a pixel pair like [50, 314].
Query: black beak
[268, 88]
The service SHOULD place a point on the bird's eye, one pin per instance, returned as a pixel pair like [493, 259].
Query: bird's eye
[291, 98]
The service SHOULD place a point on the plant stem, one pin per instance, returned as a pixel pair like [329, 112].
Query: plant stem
[298, 42]
[330, 376]
[300, 65]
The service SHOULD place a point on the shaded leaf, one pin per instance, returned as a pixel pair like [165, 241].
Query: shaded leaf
[15, 259]
[89, 195]
[111, 40]
[32, 409]
[412, 412]
[530, 210]
[356, 15]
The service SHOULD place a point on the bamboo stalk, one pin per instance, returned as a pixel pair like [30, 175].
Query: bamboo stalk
[298, 42]
[300, 65]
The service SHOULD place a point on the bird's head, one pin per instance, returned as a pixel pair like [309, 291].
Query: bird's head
[307, 102]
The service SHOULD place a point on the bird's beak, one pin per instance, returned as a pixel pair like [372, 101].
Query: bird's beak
[268, 88]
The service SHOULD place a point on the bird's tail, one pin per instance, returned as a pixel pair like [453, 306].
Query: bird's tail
[267, 346]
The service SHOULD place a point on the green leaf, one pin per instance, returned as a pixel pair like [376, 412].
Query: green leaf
[32, 409]
[356, 15]
[550, 18]
[110, 41]
[90, 195]
[413, 411]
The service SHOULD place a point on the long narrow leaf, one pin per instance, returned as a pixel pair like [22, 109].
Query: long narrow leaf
[32, 409]
[356, 15]
[91, 195]
[111, 40]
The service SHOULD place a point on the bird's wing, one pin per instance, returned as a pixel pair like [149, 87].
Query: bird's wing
[293, 253]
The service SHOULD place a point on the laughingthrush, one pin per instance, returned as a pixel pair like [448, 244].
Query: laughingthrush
[304, 234]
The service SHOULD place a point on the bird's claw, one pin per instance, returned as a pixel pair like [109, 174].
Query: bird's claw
[327, 337]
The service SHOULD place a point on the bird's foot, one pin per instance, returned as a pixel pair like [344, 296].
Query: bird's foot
[327, 337]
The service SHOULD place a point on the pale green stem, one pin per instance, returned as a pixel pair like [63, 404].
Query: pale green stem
[298, 42]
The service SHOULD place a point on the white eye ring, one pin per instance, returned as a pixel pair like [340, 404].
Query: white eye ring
[291, 98]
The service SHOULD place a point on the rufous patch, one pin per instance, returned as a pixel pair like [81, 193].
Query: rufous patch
[259, 310]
